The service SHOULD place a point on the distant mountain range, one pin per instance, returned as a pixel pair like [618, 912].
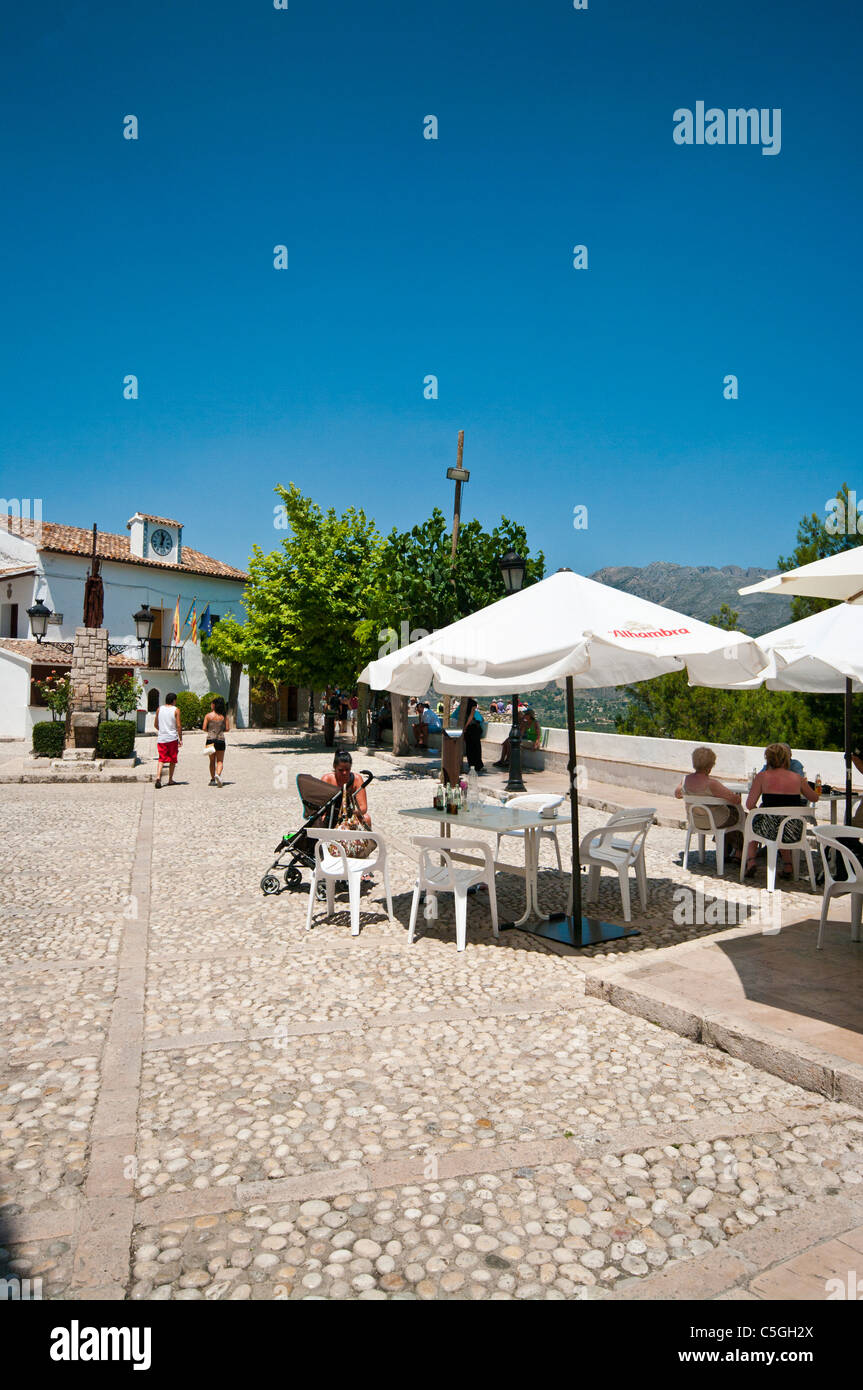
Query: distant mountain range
[699, 591]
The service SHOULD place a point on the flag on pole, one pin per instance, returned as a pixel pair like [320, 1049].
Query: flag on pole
[192, 621]
[206, 622]
[175, 630]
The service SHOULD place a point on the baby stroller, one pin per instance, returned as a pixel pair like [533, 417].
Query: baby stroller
[322, 804]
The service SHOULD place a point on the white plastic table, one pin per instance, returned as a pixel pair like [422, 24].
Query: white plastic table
[495, 818]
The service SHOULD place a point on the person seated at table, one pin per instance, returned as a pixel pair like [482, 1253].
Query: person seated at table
[530, 732]
[421, 728]
[777, 785]
[794, 763]
[343, 776]
[700, 782]
[385, 715]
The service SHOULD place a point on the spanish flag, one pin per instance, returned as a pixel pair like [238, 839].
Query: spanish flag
[175, 629]
[192, 621]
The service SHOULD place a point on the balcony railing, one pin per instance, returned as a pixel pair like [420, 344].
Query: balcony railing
[164, 658]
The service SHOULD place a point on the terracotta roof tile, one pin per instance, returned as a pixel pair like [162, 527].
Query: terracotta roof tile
[46, 654]
[148, 516]
[76, 540]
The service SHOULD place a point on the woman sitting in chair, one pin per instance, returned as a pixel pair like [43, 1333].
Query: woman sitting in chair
[343, 776]
[699, 782]
[777, 785]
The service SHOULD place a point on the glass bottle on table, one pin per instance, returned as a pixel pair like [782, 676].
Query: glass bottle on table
[473, 790]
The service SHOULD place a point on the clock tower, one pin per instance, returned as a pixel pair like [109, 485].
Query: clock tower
[155, 538]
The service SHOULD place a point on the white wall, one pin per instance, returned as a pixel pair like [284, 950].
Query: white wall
[15, 718]
[13, 549]
[126, 588]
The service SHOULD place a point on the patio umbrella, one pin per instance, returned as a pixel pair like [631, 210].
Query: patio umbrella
[574, 632]
[822, 655]
[838, 577]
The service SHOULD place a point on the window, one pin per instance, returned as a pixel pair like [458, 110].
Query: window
[9, 620]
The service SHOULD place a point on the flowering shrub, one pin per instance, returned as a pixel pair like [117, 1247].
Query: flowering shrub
[54, 690]
[123, 696]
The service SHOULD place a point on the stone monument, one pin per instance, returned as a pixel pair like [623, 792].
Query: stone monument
[88, 682]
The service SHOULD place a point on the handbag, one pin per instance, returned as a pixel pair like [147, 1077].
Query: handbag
[350, 819]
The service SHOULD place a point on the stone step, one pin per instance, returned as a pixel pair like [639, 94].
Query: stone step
[75, 765]
[79, 755]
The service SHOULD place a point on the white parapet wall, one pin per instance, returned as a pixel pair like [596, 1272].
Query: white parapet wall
[655, 764]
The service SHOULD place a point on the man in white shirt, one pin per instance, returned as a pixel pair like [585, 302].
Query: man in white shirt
[169, 737]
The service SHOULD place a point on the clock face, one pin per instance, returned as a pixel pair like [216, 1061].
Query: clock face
[162, 541]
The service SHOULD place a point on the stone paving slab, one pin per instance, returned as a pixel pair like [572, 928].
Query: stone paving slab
[279, 1107]
[61, 1014]
[488, 1129]
[770, 999]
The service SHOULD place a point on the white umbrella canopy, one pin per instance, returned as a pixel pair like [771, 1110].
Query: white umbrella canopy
[817, 654]
[565, 626]
[835, 577]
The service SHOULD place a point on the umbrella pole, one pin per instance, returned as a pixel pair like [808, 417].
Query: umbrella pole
[575, 930]
[572, 768]
[848, 797]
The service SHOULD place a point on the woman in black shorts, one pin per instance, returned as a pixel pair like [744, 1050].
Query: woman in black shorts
[215, 727]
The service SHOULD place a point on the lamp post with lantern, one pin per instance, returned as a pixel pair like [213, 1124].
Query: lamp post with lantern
[512, 568]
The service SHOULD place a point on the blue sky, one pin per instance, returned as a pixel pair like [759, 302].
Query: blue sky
[410, 257]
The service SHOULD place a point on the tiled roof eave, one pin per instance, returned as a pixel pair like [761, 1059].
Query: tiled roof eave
[237, 577]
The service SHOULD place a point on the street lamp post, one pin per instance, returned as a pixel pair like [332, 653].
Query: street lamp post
[39, 615]
[143, 620]
[512, 568]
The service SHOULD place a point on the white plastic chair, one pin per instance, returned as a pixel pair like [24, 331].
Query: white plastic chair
[534, 803]
[618, 845]
[332, 863]
[446, 876]
[773, 841]
[710, 806]
[828, 838]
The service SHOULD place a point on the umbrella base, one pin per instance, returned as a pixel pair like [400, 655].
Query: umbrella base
[590, 931]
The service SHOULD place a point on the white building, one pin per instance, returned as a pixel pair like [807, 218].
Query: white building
[150, 564]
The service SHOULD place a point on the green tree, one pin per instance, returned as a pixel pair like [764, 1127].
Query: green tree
[228, 643]
[668, 707]
[418, 588]
[818, 537]
[305, 599]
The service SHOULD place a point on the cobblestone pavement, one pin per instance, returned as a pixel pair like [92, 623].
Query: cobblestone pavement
[199, 1099]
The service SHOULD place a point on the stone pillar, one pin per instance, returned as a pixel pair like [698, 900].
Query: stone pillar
[88, 685]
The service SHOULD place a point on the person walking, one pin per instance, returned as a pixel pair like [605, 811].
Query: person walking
[353, 706]
[474, 728]
[169, 737]
[216, 725]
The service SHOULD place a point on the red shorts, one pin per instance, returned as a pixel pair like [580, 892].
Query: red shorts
[167, 752]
